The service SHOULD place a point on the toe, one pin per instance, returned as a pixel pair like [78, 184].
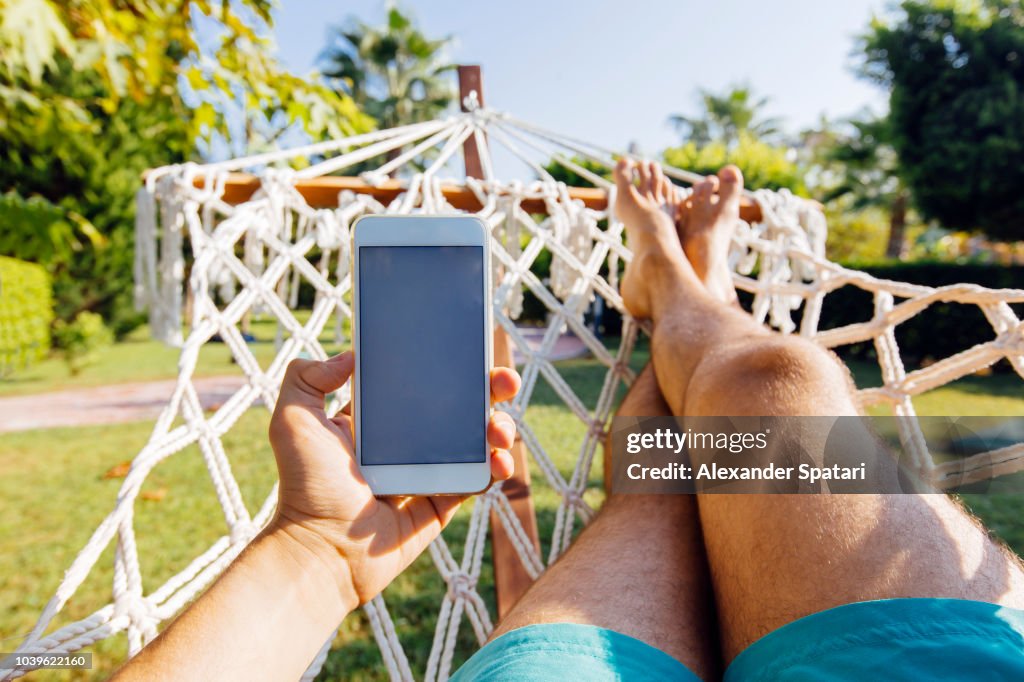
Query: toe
[730, 175]
[702, 191]
[730, 187]
[682, 209]
[624, 171]
[658, 181]
[702, 202]
[644, 170]
[681, 217]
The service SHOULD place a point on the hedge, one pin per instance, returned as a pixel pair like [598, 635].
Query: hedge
[26, 310]
[941, 330]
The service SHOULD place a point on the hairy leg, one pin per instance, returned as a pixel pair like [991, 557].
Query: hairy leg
[776, 558]
[638, 568]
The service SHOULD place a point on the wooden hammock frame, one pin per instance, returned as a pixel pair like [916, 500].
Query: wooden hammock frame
[322, 192]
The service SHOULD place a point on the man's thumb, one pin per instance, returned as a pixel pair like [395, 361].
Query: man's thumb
[316, 379]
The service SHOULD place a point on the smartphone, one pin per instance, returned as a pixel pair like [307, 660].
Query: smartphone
[422, 339]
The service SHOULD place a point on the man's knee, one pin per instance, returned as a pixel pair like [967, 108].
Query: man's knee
[770, 375]
[790, 360]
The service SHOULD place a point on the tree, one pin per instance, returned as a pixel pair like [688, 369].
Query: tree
[865, 168]
[732, 129]
[144, 50]
[92, 93]
[69, 173]
[955, 71]
[393, 72]
[725, 117]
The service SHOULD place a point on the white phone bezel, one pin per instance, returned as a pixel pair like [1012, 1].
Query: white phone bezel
[456, 230]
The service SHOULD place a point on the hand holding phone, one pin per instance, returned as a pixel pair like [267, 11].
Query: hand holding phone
[422, 332]
[326, 504]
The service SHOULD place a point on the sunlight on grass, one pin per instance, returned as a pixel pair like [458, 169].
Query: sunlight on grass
[970, 396]
[56, 494]
[140, 358]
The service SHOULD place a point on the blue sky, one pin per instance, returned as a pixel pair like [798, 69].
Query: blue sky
[613, 71]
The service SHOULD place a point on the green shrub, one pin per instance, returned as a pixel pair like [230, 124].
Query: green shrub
[80, 339]
[763, 165]
[856, 235]
[941, 330]
[26, 310]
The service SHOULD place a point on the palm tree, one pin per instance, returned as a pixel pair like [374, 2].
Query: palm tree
[393, 72]
[867, 175]
[725, 117]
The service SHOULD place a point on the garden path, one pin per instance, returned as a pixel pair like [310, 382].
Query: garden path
[127, 402]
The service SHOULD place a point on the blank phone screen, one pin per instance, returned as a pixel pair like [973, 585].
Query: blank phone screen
[421, 355]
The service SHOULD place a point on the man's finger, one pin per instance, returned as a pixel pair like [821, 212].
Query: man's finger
[501, 431]
[307, 382]
[503, 465]
[505, 384]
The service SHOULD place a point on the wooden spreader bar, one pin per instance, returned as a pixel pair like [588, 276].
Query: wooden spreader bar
[322, 192]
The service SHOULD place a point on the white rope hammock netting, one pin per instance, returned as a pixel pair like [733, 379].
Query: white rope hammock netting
[253, 257]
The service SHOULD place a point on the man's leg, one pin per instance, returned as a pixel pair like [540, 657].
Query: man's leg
[776, 558]
[638, 569]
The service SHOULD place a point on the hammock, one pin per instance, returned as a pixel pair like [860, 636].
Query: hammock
[254, 239]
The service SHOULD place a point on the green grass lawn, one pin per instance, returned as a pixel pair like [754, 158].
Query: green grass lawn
[65, 467]
[140, 358]
[997, 395]
[55, 495]
[994, 395]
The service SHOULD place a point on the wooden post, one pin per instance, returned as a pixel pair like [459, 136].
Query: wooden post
[470, 81]
[510, 577]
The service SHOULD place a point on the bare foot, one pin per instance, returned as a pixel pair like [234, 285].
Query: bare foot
[705, 223]
[652, 237]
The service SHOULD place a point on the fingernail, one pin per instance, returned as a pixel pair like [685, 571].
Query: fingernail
[508, 429]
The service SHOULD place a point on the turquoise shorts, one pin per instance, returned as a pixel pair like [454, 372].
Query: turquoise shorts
[891, 639]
